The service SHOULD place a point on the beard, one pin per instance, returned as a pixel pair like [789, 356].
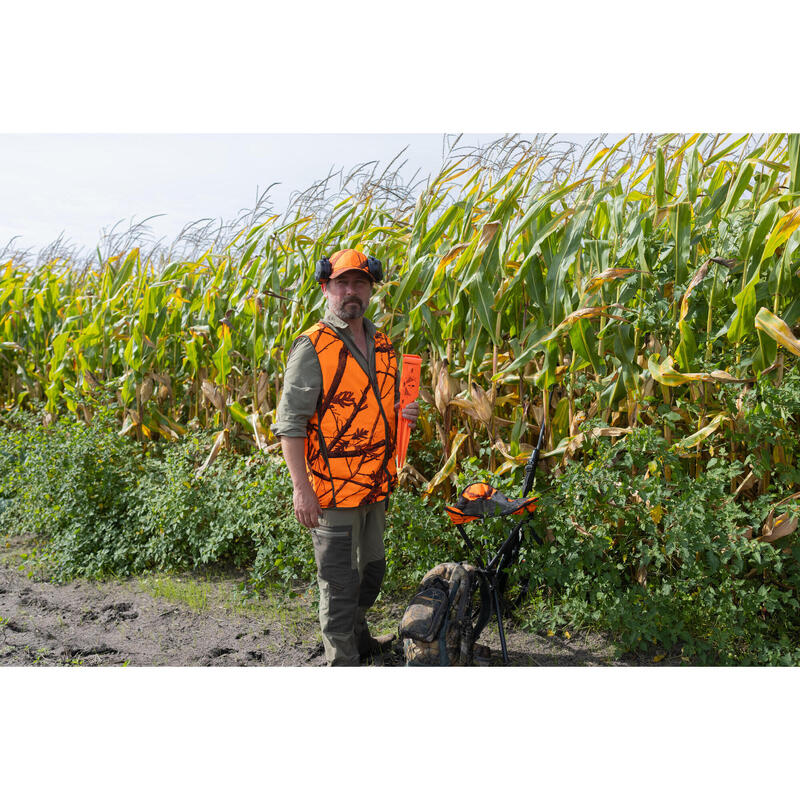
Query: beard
[351, 308]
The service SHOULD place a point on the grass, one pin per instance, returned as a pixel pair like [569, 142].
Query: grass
[294, 611]
[188, 592]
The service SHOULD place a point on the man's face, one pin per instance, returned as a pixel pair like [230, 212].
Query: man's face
[348, 294]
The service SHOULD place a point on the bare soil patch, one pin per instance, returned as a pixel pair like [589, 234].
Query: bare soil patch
[86, 623]
[195, 620]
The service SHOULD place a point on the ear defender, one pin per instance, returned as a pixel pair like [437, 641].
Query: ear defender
[375, 269]
[323, 270]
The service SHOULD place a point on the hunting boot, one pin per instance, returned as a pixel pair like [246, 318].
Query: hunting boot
[369, 645]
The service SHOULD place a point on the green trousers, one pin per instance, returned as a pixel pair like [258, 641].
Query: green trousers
[351, 563]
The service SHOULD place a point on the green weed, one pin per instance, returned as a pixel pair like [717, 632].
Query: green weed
[640, 542]
[188, 592]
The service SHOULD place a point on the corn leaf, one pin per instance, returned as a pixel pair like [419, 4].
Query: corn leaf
[778, 330]
[449, 467]
[692, 441]
[783, 229]
[744, 318]
[219, 442]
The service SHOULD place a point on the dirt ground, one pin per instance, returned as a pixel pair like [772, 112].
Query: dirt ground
[191, 621]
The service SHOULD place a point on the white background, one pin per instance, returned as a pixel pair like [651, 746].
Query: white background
[416, 67]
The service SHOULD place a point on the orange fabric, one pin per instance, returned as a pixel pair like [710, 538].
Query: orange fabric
[478, 491]
[348, 426]
[409, 380]
[486, 492]
[344, 260]
[409, 390]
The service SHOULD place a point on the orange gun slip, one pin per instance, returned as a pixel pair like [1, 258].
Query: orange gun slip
[409, 390]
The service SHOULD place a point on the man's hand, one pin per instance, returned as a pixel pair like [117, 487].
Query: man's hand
[306, 507]
[410, 413]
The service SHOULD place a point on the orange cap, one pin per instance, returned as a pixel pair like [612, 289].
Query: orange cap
[345, 260]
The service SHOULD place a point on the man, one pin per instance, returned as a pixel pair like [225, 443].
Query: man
[336, 422]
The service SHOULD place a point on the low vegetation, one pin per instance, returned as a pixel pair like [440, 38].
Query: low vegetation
[664, 564]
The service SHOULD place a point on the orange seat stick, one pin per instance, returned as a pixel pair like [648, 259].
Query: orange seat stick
[409, 390]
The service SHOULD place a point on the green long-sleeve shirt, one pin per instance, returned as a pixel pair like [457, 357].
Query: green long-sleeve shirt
[302, 380]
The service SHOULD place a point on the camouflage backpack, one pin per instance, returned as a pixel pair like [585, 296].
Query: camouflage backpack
[436, 628]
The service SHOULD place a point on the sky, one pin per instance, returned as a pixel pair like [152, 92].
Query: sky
[187, 113]
[78, 185]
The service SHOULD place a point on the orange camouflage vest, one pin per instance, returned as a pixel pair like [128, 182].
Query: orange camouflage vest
[350, 441]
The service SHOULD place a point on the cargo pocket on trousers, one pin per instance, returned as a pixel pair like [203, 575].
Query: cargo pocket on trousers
[333, 552]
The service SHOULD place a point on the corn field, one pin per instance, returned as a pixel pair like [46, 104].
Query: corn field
[634, 274]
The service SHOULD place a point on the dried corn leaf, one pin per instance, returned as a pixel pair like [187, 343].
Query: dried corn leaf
[581, 313]
[778, 330]
[444, 387]
[521, 457]
[613, 431]
[450, 466]
[666, 374]
[604, 277]
[213, 394]
[696, 278]
[165, 385]
[146, 389]
[692, 441]
[488, 233]
[259, 433]
[129, 424]
[452, 254]
[220, 441]
[777, 527]
[480, 406]
[725, 377]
